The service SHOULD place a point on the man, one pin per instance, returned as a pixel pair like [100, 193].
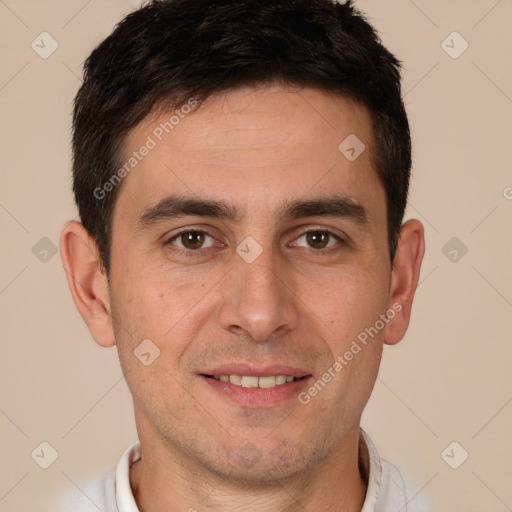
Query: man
[241, 173]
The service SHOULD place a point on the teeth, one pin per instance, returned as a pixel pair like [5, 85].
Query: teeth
[282, 379]
[235, 379]
[250, 381]
[267, 382]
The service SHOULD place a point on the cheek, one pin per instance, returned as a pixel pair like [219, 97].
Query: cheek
[158, 306]
[152, 317]
[349, 302]
[355, 341]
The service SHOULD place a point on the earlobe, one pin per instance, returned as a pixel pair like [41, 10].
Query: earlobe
[87, 282]
[404, 278]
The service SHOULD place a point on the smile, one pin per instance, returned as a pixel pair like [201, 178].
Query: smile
[251, 381]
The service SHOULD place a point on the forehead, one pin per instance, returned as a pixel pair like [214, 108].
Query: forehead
[254, 147]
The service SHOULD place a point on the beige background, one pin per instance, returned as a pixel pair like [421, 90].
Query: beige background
[449, 380]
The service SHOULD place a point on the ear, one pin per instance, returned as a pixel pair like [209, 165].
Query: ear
[404, 279]
[87, 281]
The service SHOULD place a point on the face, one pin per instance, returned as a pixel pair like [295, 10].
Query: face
[246, 244]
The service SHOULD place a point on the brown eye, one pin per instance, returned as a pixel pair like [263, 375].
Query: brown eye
[317, 239]
[192, 240]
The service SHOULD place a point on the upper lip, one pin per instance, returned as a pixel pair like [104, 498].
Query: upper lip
[254, 370]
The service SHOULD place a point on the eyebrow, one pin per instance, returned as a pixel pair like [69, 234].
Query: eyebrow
[176, 206]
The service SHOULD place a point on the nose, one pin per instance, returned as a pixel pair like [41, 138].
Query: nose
[258, 298]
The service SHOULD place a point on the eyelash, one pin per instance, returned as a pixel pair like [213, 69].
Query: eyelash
[200, 252]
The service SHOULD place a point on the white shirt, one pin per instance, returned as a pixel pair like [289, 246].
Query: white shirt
[387, 491]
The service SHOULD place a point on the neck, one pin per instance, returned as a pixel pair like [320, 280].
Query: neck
[163, 480]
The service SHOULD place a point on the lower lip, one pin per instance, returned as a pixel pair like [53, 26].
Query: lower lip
[257, 397]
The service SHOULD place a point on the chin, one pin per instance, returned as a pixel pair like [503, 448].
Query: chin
[263, 462]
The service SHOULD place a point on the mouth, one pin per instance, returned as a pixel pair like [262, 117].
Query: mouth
[253, 381]
[261, 387]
